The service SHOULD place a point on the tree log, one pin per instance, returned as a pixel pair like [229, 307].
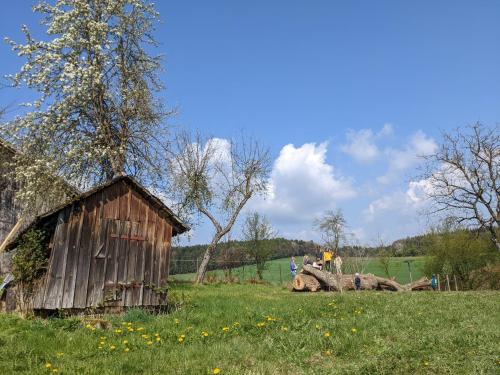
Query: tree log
[333, 282]
[303, 282]
[422, 284]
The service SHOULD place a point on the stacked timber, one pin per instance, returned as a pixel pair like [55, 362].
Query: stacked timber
[312, 279]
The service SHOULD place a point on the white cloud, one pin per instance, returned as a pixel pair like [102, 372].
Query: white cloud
[303, 185]
[401, 160]
[361, 144]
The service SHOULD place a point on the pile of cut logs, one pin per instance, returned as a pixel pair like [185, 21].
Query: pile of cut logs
[312, 279]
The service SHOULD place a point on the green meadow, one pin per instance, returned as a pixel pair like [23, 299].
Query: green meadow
[266, 329]
[277, 271]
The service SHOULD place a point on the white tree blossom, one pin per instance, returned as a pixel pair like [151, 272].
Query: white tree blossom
[96, 114]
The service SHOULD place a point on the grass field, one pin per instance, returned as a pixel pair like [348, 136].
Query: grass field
[277, 271]
[265, 329]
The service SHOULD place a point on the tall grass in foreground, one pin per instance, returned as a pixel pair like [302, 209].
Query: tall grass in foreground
[259, 329]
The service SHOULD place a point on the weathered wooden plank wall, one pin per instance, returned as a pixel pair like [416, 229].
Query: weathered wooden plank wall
[111, 249]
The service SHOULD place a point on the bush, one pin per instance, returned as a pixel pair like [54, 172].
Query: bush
[463, 254]
[31, 256]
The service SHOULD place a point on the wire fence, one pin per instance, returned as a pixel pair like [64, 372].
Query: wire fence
[275, 271]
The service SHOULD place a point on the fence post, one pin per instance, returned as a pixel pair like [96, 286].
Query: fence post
[243, 278]
[456, 285]
[439, 284]
[448, 282]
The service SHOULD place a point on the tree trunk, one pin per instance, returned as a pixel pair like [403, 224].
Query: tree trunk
[333, 282]
[202, 269]
[303, 282]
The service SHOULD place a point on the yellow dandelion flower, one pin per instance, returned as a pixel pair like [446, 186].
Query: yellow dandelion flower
[236, 324]
[102, 338]
[157, 334]
[48, 365]
[102, 343]
[99, 347]
[126, 350]
[225, 329]
[426, 363]
[125, 342]
[354, 330]
[88, 326]
[129, 323]
[180, 339]
[112, 347]
[158, 339]
[285, 329]
[118, 331]
[130, 329]
[261, 324]
[204, 334]
[327, 334]
[328, 353]
[92, 328]
[150, 342]
[124, 323]
[140, 329]
[176, 321]
[60, 354]
[55, 370]
[317, 326]
[216, 370]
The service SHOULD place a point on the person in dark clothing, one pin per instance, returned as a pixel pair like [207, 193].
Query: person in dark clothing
[357, 281]
[307, 260]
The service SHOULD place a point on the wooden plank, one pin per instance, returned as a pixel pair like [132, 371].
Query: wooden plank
[157, 255]
[111, 198]
[85, 253]
[96, 269]
[111, 262]
[57, 262]
[148, 255]
[76, 224]
[122, 263]
[131, 260]
[141, 262]
[97, 272]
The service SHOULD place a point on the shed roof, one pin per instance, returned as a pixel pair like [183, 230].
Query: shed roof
[178, 226]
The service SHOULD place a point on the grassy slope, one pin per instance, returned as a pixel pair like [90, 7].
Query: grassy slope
[398, 268]
[396, 333]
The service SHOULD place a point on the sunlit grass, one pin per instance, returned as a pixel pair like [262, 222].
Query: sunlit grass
[256, 329]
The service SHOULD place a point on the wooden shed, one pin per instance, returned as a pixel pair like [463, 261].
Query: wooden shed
[109, 248]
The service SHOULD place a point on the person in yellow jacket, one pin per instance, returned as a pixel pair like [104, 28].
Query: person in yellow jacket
[327, 259]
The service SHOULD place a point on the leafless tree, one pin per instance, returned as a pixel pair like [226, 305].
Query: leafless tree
[463, 178]
[257, 231]
[332, 228]
[216, 178]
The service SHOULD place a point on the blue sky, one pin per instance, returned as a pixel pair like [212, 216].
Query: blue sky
[344, 93]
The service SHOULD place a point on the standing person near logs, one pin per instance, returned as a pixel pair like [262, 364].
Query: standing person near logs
[338, 264]
[327, 259]
[357, 281]
[293, 267]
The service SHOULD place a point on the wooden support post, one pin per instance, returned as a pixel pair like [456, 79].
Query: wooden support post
[439, 284]
[243, 278]
[456, 285]
[448, 282]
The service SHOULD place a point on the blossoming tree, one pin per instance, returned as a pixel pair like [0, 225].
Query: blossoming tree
[95, 114]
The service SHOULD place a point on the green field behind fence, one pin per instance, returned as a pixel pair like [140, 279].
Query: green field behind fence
[278, 271]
